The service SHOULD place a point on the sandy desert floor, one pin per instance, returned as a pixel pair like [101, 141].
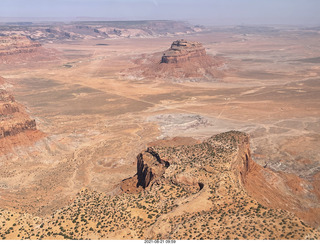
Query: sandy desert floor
[97, 117]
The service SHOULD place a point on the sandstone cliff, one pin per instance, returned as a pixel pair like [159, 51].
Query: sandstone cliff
[149, 168]
[10, 45]
[13, 121]
[18, 49]
[277, 189]
[2, 81]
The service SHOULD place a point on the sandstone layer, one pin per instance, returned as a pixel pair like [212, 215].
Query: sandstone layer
[18, 49]
[13, 121]
[10, 45]
[183, 51]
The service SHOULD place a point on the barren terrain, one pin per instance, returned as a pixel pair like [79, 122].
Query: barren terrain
[97, 117]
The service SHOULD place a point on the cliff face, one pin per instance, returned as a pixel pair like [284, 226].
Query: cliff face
[14, 128]
[10, 45]
[243, 163]
[277, 189]
[20, 49]
[182, 51]
[149, 167]
[13, 121]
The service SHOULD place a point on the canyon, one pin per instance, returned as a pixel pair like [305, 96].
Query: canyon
[105, 137]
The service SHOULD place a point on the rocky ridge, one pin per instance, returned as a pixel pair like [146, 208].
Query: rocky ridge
[57, 32]
[200, 193]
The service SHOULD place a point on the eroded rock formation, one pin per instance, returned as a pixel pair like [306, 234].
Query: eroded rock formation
[182, 51]
[149, 167]
[13, 121]
[227, 153]
[16, 49]
[13, 118]
[203, 189]
[277, 189]
[184, 60]
[10, 45]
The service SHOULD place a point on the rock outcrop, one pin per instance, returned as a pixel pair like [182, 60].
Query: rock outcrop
[2, 81]
[16, 49]
[10, 45]
[276, 189]
[13, 121]
[183, 61]
[149, 167]
[182, 51]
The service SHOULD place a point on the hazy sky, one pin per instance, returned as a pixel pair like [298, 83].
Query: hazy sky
[210, 12]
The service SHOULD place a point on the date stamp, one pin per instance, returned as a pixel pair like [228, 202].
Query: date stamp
[160, 241]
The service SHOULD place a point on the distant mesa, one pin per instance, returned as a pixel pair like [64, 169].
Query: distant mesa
[183, 51]
[10, 45]
[183, 61]
[17, 49]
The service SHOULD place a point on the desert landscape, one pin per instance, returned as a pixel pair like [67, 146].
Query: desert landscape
[159, 130]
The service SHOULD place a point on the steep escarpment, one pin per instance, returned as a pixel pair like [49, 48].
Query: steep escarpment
[277, 189]
[10, 45]
[183, 61]
[282, 190]
[18, 49]
[13, 121]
